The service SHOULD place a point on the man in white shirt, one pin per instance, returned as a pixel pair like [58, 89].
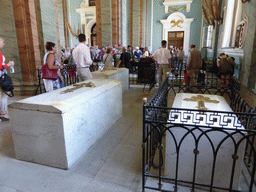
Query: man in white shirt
[82, 59]
[162, 57]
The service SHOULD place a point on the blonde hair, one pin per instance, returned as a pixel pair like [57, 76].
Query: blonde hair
[1, 39]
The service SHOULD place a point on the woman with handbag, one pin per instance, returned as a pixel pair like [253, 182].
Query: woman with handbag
[108, 59]
[4, 98]
[50, 69]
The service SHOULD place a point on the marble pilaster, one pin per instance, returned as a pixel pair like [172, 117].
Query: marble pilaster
[136, 23]
[252, 74]
[114, 21]
[98, 21]
[141, 22]
[118, 19]
[146, 23]
[131, 22]
[8, 33]
[106, 22]
[248, 74]
[25, 14]
[124, 23]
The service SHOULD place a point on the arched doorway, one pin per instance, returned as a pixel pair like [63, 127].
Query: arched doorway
[93, 35]
[177, 26]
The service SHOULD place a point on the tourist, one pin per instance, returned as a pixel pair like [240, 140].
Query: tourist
[137, 53]
[150, 51]
[194, 65]
[4, 97]
[96, 54]
[181, 53]
[129, 50]
[146, 53]
[162, 57]
[53, 64]
[226, 65]
[102, 53]
[92, 54]
[180, 56]
[116, 53]
[124, 59]
[108, 59]
[82, 58]
[119, 48]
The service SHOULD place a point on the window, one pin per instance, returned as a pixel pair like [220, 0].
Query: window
[91, 2]
[232, 19]
[207, 36]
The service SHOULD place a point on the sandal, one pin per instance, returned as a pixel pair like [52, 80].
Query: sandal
[4, 118]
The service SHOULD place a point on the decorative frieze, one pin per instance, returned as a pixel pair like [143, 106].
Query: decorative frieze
[169, 3]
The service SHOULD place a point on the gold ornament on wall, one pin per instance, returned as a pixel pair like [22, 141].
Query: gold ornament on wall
[71, 30]
[176, 23]
[178, 9]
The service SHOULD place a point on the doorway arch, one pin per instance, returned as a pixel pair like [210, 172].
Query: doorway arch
[93, 35]
[177, 22]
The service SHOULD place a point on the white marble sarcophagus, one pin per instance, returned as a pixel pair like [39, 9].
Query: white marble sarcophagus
[58, 127]
[217, 134]
[119, 74]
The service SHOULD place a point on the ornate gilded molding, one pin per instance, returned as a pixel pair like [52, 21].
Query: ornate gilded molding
[178, 9]
[176, 23]
[71, 30]
[169, 3]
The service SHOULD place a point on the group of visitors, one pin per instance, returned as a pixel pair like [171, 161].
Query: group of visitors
[116, 51]
[177, 52]
[115, 56]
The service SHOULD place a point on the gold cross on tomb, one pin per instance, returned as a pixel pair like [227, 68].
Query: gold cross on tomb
[200, 99]
[78, 86]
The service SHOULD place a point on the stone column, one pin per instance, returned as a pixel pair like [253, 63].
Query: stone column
[141, 23]
[65, 18]
[248, 68]
[146, 25]
[115, 21]
[27, 30]
[98, 23]
[124, 23]
[131, 22]
[136, 23]
[106, 22]
[118, 20]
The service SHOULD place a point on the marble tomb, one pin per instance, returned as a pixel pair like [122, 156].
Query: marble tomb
[58, 127]
[120, 74]
[205, 157]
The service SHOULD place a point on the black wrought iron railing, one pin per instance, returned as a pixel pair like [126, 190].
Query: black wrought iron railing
[170, 163]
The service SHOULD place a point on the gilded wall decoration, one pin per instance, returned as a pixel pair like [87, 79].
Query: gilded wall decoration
[176, 23]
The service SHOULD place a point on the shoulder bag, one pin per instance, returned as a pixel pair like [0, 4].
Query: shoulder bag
[5, 80]
[49, 73]
[6, 84]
